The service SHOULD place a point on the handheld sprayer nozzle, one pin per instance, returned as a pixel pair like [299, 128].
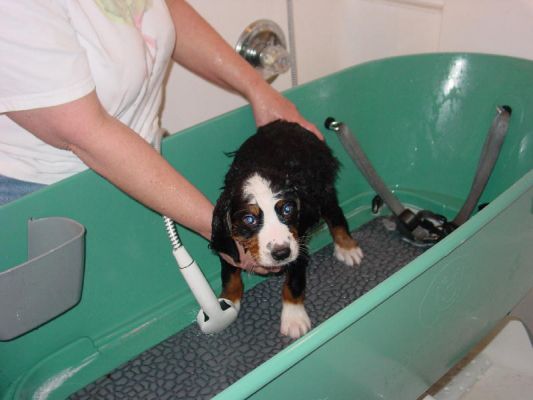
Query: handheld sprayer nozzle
[215, 314]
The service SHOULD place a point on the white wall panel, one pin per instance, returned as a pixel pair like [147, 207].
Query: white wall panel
[190, 100]
[488, 26]
[332, 35]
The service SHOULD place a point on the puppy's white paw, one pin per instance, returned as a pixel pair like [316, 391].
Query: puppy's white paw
[294, 320]
[350, 257]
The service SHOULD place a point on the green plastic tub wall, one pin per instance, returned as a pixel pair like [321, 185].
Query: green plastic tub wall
[422, 121]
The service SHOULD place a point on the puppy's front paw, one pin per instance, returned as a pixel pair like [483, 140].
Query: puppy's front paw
[352, 256]
[294, 320]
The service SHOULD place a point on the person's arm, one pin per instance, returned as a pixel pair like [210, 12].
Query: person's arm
[121, 156]
[117, 153]
[200, 49]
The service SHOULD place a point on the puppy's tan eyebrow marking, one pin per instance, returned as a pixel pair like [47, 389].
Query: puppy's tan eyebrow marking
[250, 208]
[254, 209]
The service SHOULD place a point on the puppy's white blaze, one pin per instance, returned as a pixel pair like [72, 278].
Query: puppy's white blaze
[273, 232]
[294, 320]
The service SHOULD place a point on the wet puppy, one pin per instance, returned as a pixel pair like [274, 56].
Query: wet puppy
[279, 186]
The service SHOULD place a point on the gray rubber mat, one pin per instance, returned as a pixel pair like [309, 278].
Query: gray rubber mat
[191, 365]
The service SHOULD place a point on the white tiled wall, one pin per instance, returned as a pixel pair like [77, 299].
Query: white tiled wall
[190, 100]
[488, 26]
[334, 34]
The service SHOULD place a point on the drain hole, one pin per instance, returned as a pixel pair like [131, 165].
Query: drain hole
[508, 109]
[223, 305]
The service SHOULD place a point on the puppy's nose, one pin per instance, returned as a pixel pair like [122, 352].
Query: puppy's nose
[280, 253]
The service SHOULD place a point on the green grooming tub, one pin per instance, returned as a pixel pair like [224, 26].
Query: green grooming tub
[75, 320]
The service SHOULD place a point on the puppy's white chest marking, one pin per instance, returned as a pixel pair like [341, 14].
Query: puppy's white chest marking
[273, 233]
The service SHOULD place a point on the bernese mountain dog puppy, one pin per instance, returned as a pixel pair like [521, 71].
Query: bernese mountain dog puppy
[279, 186]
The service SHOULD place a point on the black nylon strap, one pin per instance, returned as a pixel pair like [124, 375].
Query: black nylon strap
[489, 156]
[425, 226]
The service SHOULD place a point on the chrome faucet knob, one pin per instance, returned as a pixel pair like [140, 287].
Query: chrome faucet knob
[263, 45]
[275, 59]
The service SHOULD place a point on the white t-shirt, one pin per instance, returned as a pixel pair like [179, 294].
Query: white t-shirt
[56, 51]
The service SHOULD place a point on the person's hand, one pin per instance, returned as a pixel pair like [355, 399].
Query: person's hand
[269, 105]
[248, 263]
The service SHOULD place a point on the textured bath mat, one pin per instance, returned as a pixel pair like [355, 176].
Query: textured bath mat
[191, 365]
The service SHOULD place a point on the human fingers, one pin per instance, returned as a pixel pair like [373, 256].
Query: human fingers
[311, 127]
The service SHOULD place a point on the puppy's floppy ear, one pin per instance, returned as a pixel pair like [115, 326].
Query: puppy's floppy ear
[221, 239]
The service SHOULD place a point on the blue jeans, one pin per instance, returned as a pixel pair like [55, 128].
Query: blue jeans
[11, 189]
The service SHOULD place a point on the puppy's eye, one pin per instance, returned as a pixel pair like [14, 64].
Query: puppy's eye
[249, 219]
[288, 208]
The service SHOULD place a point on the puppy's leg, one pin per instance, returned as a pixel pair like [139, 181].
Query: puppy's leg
[346, 248]
[232, 286]
[294, 319]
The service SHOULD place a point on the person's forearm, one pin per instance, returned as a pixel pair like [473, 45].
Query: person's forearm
[138, 170]
[117, 153]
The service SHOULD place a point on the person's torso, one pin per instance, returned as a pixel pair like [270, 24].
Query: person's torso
[127, 45]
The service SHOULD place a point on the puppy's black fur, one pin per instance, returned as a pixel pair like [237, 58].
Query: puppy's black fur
[303, 170]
